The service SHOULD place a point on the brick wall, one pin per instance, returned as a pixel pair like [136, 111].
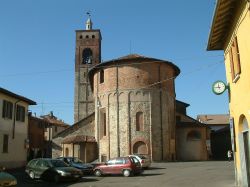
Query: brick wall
[157, 102]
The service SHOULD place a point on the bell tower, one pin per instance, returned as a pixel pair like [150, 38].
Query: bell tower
[87, 55]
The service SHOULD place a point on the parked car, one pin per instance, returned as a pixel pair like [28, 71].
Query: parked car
[52, 169]
[144, 160]
[120, 165]
[7, 179]
[96, 163]
[79, 164]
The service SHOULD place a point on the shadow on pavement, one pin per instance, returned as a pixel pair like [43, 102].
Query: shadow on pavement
[88, 180]
[150, 174]
[41, 183]
[154, 168]
[23, 180]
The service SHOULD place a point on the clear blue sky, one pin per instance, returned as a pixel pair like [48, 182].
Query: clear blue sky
[37, 47]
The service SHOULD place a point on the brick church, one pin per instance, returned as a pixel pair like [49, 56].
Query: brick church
[127, 105]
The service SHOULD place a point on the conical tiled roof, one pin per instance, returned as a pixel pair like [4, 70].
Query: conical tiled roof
[136, 58]
[131, 58]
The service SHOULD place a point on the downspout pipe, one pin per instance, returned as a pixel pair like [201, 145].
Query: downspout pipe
[117, 114]
[14, 119]
[161, 108]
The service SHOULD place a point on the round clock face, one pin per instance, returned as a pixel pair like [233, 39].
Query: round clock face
[219, 87]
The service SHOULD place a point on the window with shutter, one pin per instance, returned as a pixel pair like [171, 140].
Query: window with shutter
[235, 60]
[20, 113]
[7, 109]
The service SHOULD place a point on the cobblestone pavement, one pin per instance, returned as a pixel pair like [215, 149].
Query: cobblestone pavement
[169, 174]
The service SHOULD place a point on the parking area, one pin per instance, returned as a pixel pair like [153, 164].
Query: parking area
[173, 174]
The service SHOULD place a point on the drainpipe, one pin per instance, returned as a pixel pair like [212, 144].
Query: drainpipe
[117, 114]
[129, 127]
[108, 126]
[97, 108]
[160, 86]
[14, 120]
[150, 131]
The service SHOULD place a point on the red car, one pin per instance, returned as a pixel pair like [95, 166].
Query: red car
[121, 165]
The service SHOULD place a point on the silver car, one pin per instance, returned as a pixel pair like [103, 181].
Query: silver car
[144, 160]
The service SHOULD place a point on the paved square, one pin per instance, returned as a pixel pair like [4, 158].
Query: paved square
[170, 174]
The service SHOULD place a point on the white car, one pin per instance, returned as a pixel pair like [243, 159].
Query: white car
[144, 160]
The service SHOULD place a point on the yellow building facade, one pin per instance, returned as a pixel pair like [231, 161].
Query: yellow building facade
[230, 32]
[14, 140]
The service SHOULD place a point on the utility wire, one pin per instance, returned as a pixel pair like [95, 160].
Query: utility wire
[144, 87]
[70, 69]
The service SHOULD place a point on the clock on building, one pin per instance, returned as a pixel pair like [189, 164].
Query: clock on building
[219, 87]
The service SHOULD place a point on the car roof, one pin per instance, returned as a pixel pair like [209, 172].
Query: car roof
[67, 157]
[47, 159]
[119, 157]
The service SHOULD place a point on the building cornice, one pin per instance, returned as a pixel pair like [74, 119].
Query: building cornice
[223, 18]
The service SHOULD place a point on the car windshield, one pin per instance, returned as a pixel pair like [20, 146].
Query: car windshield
[58, 163]
[135, 160]
[77, 160]
[32, 163]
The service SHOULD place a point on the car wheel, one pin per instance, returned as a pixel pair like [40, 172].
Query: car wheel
[126, 173]
[56, 178]
[98, 173]
[32, 175]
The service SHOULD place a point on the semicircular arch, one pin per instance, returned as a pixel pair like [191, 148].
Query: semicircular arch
[140, 147]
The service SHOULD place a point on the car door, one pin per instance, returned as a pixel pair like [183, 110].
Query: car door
[109, 167]
[119, 165]
[31, 165]
[42, 166]
[37, 168]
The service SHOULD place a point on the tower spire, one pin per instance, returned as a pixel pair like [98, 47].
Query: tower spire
[89, 22]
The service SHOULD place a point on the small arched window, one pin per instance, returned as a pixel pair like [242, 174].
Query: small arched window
[80, 37]
[87, 56]
[194, 135]
[93, 36]
[87, 36]
[139, 121]
[102, 76]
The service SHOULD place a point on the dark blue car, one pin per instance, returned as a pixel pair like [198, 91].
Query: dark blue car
[75, 162]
